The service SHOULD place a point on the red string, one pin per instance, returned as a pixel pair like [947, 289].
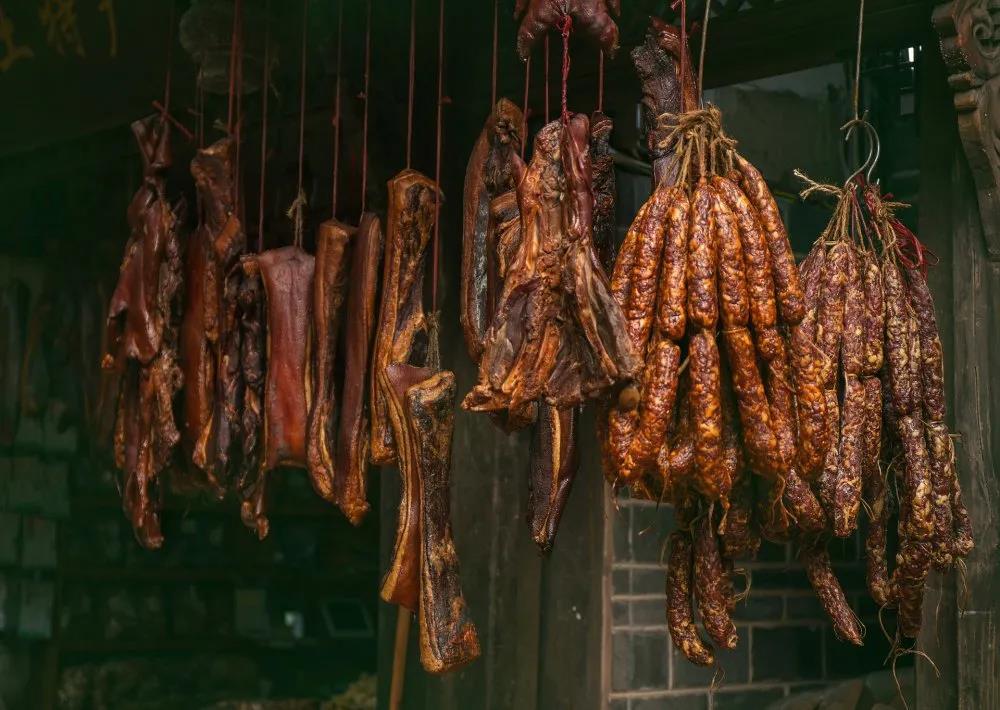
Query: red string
[600, 81]
[496, 36]
[565, 26]
[265, 90]
[546, 80]
[524, 112]
[232, 65]
[683, 72]
[413, 69]
[364, 118]
[336, 109]
[912, 252]
[168, 80]
[437, 163]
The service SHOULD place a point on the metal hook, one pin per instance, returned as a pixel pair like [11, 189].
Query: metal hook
[874, 150]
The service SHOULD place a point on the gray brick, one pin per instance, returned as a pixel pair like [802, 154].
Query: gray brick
[649, 612]
[748, 699]
[760, 607]
[620, 614]
[804, 606]
[650, 527]
[621, 532]
[639, 661]
[619, 704]
[648, 581]
[735, 665]
[673, 701]
[789, 653]
[621, 581]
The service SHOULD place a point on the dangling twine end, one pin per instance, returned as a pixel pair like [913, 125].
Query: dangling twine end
[433, 359]
[295, 213]
[813, 187]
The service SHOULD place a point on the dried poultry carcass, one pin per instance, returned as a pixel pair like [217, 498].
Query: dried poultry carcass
[141, 336]
[210, 348]
[557, 333]
[286, 275]
[402, 326]
[350, 482]
[594, 17]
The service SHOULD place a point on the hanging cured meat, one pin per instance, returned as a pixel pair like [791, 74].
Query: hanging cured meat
[592, 17]
[551, 470]
[557, 333]
[287, 277]
[350, 482]
[209, 336]
[401, 321]
[142, 338]
[488, 177]
[333, 241]
[605, 187]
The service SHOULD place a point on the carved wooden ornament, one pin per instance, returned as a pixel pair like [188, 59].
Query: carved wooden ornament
[970, 45]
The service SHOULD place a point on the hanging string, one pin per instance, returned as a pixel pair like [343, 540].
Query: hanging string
[600, 81]
[232, 65]
[336, 109]
[496, 47]
[546, 80]
[701, 57]
[168, 79]
[265, 86]
[200, 101]
[437, 163]
[298, 206]
[565, 26]
[524, 112]
[413, 70]
[857, 61]
[684, 51]
[239, 112]
[364, 116]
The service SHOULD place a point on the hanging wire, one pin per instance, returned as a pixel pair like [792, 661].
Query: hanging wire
[168, 79]
[496, 46]
[600, 81]
[566, 27]
[237, 196]
[861, 120]
[364, 117]
[336, 109]
[524, 111]
[684, 54]
[232, 65]
[412, 80]
[437, 163]
[701, 57]
[265, 86]
[546, 79]
[857, 61]
[298, 206]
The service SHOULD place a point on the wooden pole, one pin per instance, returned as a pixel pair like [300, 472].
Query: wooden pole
[403, 619]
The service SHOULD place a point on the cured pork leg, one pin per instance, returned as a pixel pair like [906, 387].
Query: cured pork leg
[333, 241]
[352, 437]
[401, 584]
[605, 188]
[401, 315]
[448, 638]
[252, 366]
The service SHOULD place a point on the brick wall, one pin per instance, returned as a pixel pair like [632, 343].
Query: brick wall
[786, 643]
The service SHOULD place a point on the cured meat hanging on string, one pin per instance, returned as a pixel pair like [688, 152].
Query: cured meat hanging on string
[592, 17]
[289, 388]
[413, 419]
[141, 336]
[353, 437]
